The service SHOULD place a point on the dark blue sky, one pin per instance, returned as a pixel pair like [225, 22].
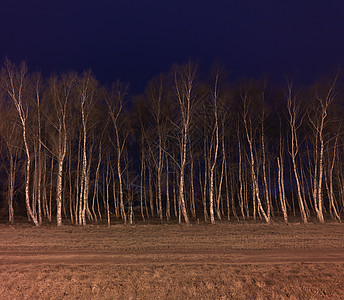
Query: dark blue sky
[136, 40]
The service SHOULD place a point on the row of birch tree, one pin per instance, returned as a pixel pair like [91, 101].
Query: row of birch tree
[189, 148]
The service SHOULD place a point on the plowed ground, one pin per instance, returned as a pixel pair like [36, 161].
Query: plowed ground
[223, 261]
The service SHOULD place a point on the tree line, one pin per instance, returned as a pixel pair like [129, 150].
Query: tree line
[189, 148]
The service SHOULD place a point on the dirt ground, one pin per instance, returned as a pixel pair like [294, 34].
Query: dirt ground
[223, 261]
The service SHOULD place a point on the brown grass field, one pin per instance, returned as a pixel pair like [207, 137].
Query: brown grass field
[222, 261]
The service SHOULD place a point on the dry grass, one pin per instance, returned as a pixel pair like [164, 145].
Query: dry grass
[225, 261]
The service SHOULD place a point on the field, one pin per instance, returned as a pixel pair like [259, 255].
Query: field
[222, 261]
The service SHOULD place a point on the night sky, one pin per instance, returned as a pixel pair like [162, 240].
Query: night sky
[136, 40]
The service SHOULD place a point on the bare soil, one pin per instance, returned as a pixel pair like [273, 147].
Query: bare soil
[223, 261]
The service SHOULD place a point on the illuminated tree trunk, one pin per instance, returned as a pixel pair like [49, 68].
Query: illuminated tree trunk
[255, 185]
[15, 84]
[82, 212]
[281, 188]
[151, 200]
[174, 188]
[168, 201]
[39, 154]
[330, 177]
[318, 120]
[213, 154]
[142, 181]
[78, 203]
[192, 188]
[61, 95]
[115, 110]
[107, 183]
[10, 134]
[293, 111]
[183, 79]
[11, 183]
[96, 184]
[219, 194]
[159, 175]
[204, 190]
[241, 196]
[181, 179]
[115, 196]
[266, 185]
[86, 89]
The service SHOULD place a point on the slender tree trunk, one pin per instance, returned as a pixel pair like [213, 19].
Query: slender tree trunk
[60, 162]
[168, 204]
[11, 184]
[27, 180]
[96, 183]
[83, 200]
[78, 202]
[145, 191]
[227, 196]
[255, 185]
[319, 210]
[174, 185]
[44, 187]
[211, 194]
[51, 189]
[142, 182]
[219, 194]
[107, 182]
[34, 181]
[181, 181]
[232, 199]
[73, 217]
[27, 175]
[15, 83]
[39, 175]
[293, 111]
[87, 185]
[151, 200]
[266, 185]
[119, 170]
[214, 143]
[330, 176]
[183, 80]
[160, 167]
[192, 188]
[204, 196]
[115, 198]
[130, 196]
[59, 192]
[241, 197]
[281, 189]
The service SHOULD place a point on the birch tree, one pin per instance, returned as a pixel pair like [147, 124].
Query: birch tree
[11, 137]
[295, 121]
[213, 150]
[280, 172]
[155, 105]
[318, 119]
[60, 90]
[248, 126]
[115, 102]
[16, 81]
[86, 93]
[184, 77]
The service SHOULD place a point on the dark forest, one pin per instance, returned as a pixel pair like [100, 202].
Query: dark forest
[191, 148]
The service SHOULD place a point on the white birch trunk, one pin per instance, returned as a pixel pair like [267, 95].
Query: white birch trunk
[15, 82]
[293, 111]
[168, 201]
[255, 185]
